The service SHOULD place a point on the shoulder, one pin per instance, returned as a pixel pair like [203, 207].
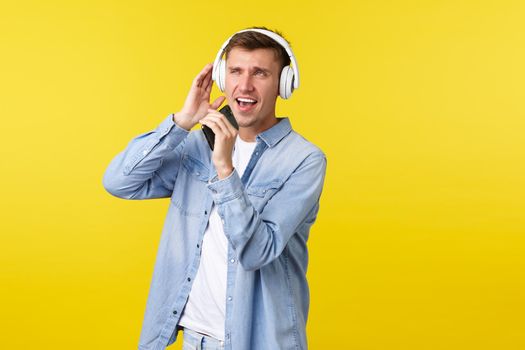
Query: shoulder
[294, 153]
[298, 144]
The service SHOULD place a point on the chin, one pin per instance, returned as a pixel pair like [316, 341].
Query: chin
[244, 116]
[245, 122]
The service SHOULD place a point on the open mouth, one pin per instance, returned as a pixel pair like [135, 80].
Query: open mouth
[245, 103]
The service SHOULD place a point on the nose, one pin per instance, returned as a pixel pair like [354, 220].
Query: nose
[245, 83]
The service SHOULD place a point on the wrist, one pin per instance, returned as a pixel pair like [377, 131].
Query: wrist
[224, 172]
[183, 121]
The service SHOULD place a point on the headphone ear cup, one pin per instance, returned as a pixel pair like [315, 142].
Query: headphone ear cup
[221, 76]
[286, 82]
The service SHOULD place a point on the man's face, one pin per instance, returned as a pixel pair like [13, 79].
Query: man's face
[252, 84]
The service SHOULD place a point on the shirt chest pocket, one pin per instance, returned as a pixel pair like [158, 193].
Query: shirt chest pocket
[189, 194]
[260, 194]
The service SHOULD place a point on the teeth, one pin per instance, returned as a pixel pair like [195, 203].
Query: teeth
[246, 100]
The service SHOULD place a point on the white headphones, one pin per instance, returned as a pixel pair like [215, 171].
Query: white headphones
[289, 79]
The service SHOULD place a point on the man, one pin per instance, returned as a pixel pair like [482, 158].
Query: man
[231, 265]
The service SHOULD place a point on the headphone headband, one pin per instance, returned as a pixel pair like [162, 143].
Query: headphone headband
[279, 39]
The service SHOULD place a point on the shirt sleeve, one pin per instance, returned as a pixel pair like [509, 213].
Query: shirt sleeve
[149, 165]
[259, 238]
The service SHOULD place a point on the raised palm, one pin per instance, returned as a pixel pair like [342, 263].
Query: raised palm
[197, 102]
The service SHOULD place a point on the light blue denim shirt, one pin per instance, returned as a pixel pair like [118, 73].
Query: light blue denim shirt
[267, 215]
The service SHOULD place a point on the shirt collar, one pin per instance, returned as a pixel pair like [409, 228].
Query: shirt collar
[276, 133]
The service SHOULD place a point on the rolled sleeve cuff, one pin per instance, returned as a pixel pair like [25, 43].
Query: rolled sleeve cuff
[174, 134]
[226, 189]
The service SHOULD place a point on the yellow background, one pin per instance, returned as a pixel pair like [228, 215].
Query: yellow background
[419, 106]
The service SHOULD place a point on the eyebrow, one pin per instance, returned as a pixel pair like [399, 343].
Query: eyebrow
[266, 70]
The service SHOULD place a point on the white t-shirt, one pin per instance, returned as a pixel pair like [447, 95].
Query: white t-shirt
[206, 306]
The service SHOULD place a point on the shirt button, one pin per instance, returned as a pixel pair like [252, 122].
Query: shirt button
[175, 312]
[198, 174]
[230, 298]
[256, 153]
[232, 261]
[145, 152]
[222, 220]
[198, 246]
[189, 279]
[205, 212]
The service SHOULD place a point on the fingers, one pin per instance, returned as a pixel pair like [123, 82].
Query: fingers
[219, 124]
[204, 77]
[208, 81]
[218, 102]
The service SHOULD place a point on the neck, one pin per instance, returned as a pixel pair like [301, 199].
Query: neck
[249, 134]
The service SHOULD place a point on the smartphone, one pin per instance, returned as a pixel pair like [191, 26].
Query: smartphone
[208, 132]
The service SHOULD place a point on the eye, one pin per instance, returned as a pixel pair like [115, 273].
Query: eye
[260, 73]
[234, 70]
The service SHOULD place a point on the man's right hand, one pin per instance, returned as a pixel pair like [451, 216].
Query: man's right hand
[198, 100]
